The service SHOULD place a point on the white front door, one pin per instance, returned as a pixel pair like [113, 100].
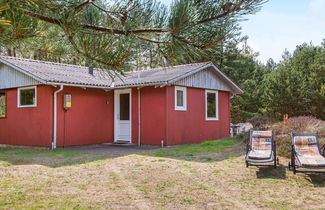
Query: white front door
[122, 112]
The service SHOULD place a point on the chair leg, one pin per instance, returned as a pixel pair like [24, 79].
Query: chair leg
[289, 166]
[294, 168]
[247, 164]
[275, 163]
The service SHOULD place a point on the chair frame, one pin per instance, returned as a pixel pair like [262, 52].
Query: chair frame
[292, 164]
[258, 162]
[323, 150]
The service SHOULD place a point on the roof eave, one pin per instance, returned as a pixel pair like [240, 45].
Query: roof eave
[80, 85]
[141, 85]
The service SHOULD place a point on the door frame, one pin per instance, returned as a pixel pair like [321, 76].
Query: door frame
[117, 93]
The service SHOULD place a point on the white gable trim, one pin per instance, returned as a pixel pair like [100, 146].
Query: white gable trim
[223, 78]
[206, 79]
[188, 74]
[237, 89]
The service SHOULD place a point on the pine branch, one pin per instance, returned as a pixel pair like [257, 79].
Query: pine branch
[82, 5]
[94, 27]
[106, 11]
[84, 53]
[211, 44]
[153, 41]
[39, 16]
[227, 11]
[127, 32]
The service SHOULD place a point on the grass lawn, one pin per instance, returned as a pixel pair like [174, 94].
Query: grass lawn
[210, 175]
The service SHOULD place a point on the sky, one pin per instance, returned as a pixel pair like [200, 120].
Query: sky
[283, 24]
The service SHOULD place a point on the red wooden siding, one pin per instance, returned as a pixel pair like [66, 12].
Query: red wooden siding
[190, 126]
[90, 120]
[30, 126]
[153, 112]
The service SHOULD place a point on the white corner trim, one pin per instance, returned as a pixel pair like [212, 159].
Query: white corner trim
[18, 97]
[184, 107]
[206, 105]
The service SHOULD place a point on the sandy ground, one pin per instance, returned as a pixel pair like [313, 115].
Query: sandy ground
[143, 181]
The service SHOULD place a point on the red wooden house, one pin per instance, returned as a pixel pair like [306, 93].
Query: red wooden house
[52, 104]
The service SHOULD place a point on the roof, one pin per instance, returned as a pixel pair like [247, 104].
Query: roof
[72, 75]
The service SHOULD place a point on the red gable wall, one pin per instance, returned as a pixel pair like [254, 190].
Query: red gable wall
[190, 126]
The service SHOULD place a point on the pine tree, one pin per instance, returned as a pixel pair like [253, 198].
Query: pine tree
[115, 34]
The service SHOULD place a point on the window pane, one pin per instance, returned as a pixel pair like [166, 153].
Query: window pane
[2, 105]
[125, 106]
[211, 103]
[27, 97]
[180, 98]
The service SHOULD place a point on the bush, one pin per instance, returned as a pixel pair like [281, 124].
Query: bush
[244, 137]
[260, 122]
[296, 124]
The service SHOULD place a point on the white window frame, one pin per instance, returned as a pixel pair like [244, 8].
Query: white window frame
[184, 107]
[206, 105]
[18, 97]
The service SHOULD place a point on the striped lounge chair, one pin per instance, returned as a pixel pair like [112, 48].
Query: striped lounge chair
[306, 153]
[261, 149]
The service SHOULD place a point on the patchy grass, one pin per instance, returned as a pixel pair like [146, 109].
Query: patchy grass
[52, 158]
[215, 179]
[195, 149]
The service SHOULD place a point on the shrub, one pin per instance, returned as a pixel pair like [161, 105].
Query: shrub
[244, 137]
[260, 122]
[296, 124]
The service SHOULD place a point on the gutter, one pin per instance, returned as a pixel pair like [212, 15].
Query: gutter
[55, 116]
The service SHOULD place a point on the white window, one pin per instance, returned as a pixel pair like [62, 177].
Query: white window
[180, 98]
[27, 97]
[211, 105]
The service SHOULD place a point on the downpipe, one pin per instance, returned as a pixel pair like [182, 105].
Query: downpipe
[139, 117]
[55, 116]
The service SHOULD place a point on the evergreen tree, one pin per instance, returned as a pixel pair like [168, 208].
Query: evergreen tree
[297, 86]
[116, 34]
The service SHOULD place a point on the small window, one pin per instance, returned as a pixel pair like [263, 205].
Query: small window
[211, 100]
[2, 105]
[27, 97]
[180, 98]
